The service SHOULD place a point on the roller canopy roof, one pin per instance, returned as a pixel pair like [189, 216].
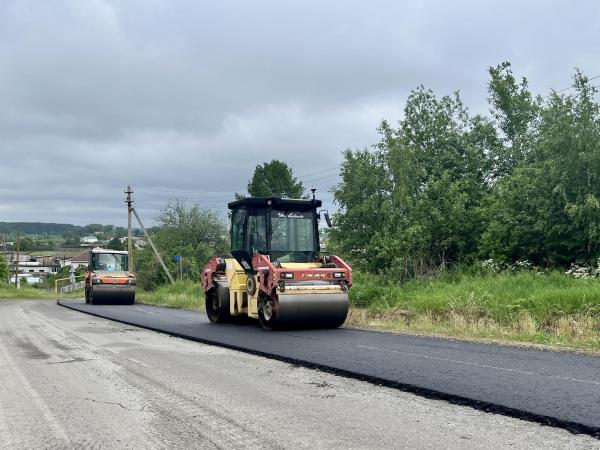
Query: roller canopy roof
[107, 250]
[275, 202]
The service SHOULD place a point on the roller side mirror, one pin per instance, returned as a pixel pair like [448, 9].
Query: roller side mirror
[327, 219]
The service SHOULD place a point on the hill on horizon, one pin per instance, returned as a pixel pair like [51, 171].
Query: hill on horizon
[50, 228]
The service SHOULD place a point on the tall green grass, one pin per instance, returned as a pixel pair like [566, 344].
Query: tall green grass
[550, 308]
[501, 297]
[184, 294]
[10, 292]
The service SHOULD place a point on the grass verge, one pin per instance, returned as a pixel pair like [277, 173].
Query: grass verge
[10, 292]
[184, 294]
[550, 309]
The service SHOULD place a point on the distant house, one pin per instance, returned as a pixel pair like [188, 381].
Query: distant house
[81, 259]
[91, 239]
[49, 261]
[36, 267]
[33, 268]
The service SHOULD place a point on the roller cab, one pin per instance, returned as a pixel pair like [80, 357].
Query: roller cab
[108, 280]
[277, 274]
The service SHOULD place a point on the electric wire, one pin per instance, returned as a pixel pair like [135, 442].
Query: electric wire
[572, 86]
[227, 193]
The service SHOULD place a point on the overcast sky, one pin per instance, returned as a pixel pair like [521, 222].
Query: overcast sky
[182, 98]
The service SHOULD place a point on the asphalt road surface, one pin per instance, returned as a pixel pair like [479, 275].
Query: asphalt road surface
[549, 387]
[70, 380]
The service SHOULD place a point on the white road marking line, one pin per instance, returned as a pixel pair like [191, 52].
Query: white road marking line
[486, 366]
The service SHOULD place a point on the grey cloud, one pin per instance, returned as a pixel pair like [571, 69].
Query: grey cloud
[184, 98]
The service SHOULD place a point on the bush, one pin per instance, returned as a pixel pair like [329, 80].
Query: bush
[584, 271]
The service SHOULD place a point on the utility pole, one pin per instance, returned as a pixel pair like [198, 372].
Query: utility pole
[12, 258]
[5, 255]
[131, 209]
[160, 260]
[17, 280]
[129, 202]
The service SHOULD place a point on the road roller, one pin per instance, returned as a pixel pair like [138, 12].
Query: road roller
[277, 273]
[108, 280]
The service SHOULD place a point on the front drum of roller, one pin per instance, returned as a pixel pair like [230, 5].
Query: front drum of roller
[308, 310]
[113, 294]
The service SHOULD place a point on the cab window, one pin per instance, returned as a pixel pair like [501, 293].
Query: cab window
[257, 232]
[237, 229]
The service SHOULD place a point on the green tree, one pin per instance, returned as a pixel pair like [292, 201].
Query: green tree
[93, 228]
[26, 244]
[512, 104]
[276, 179]
[48, 282]
[194, 233]
[364, 197]
[71, 239]
[116, 244]
[514, 111]
[412, 204]
[120, 232]
[445, 187]
[548, 211]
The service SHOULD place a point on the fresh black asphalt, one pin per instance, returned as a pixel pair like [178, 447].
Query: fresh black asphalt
[560, 389]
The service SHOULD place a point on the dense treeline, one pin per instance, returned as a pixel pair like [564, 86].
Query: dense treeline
[58, 229]
[448, 187]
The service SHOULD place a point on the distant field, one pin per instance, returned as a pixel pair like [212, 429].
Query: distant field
[58, 253]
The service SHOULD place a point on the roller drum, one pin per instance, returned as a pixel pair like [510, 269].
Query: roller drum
[115, 294]
[312, 310]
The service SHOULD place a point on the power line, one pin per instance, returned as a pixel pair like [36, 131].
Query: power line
[323, 178]
[572, 86]
[201, 194]
[325, 187]
[194, 195]
[320, 171]
[300, 178]
[178, 191]
[218, 196]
